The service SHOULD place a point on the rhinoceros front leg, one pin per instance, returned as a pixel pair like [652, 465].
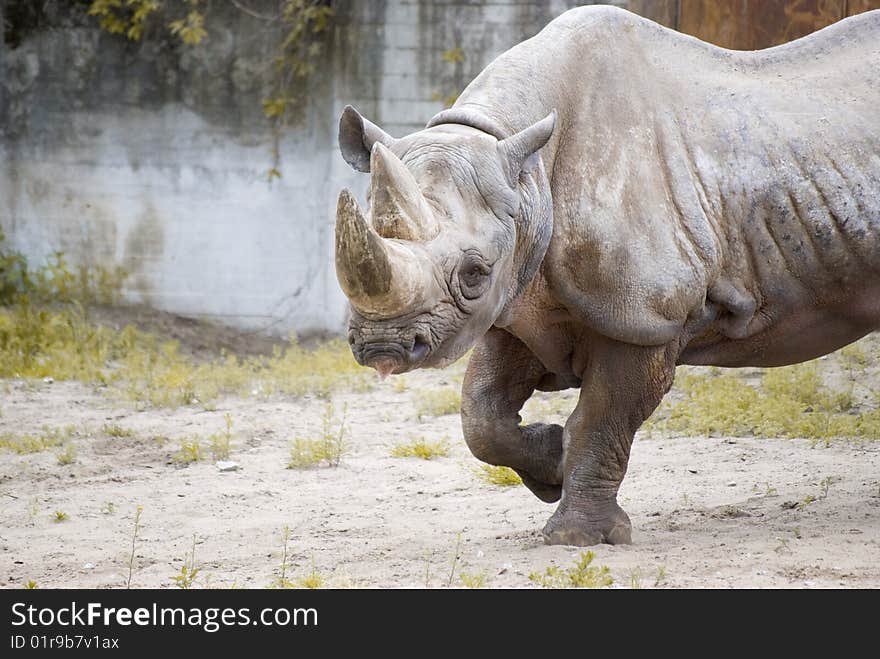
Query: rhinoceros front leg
[622, 386]
[501, 376]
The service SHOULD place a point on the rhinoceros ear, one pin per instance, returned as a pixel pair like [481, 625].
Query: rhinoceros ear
[518, 150]
[357, 136]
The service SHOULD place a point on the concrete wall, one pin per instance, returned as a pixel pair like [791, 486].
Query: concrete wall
[153, 156]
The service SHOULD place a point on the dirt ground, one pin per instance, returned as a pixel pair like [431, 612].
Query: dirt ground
[706, 512]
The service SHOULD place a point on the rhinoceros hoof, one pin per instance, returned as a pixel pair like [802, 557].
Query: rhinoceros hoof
[544, 491]
[583, 531]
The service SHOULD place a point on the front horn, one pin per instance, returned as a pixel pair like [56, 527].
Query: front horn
[380, 277]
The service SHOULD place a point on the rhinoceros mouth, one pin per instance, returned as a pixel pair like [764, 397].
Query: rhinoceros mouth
[420, 350]
[390, 356]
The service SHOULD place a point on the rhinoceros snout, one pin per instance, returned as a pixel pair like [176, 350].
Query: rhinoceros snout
[389, 357]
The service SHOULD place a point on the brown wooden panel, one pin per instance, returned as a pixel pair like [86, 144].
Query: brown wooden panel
[722, 22]
[858, 6]
[754, 24]
[664, 12]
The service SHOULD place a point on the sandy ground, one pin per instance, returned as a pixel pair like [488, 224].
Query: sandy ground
[706, 512]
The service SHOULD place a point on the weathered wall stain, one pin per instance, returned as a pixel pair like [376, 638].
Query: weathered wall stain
[144, 244]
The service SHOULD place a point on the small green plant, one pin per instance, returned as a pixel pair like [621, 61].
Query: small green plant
[825, 485]
[283, 581]
[188, 571]
[190, 451]
[30, 585]
[427, 569]
[305, 453]
[498, 475]
[477, 580]
[313, 580]
[329, 448]
[635, 578]
[855, 359]
[117, 431]
[660, 577]
[35, 507]
[221, 442]
[806, 501]
[582, 575]
[67, 455]
[59, 516]
[769, 491]
[438, 402]
[456, 555]
[108, 508]
[134, 537]
[421, 448]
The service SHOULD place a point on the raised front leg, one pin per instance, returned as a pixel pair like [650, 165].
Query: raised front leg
[622, 386]
[501, 376]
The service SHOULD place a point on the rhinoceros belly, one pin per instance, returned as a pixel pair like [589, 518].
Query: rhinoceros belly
[795, 336]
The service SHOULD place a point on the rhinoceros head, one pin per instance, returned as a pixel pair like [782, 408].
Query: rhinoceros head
[431, 263]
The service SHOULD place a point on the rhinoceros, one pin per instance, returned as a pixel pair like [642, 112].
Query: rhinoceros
[606, 200]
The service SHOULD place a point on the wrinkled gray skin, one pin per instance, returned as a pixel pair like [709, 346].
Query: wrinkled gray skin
[684, 205]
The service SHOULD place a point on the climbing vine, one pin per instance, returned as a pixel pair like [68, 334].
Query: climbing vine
[300, 24]
[303, 21]
[130, 17]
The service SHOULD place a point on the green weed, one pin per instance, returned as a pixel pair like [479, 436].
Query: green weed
[134, 537]
[498, 475]
[221, 442]
[456, 555]
[825, 485]
[660, 577]
[635, 578]
[313, 580]
[790, 402]
[582, 575]
[806, 501]
[67, 455]
[59, 516]
[188, 571]
[854, 359]
[421, 448]
[117, 431]
[329, 448]
[285, 542]
[36, 442]
[190, 451]
[477, 580]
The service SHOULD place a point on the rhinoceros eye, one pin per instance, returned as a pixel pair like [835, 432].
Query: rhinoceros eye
[473, 276]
